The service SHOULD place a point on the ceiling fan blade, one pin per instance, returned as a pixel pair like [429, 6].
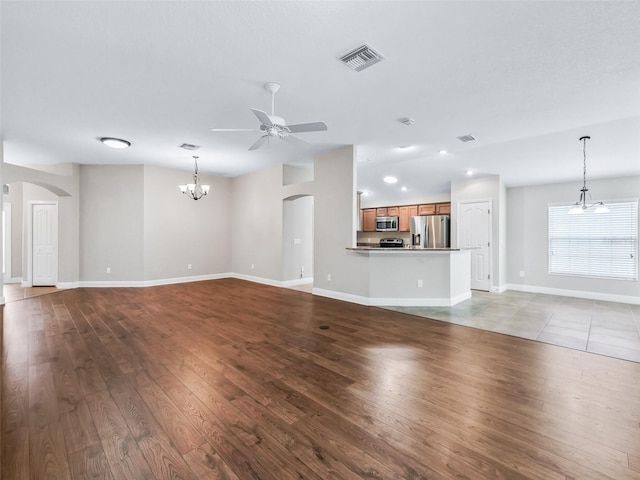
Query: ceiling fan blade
[263, 117]
[235, 130]
[295, 141]
[259, 142]
[308, 127]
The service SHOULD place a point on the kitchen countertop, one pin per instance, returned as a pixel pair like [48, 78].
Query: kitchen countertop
[403, 249]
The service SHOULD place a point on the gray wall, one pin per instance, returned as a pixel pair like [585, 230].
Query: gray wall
[16, 200]
[256, 224]
[480, 189]
[179, 231]
[335, 225]
[111, 223]
[527, 241]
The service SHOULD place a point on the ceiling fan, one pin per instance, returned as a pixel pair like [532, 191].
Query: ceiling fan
[276, 127]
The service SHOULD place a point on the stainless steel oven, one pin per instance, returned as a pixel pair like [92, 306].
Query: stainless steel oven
[386, 224]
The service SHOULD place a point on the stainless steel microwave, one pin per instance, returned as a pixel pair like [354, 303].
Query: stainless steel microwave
[386, 224]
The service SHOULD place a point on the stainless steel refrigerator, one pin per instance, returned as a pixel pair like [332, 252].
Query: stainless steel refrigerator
[430, 231]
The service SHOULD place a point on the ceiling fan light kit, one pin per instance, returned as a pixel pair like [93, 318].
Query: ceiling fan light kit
[581, 205]
[273, 126]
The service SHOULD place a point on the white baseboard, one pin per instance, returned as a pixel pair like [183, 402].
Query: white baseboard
[250, 278]
[499, 289]
[25, 283]
[605, 297]
[13, 280]
[346, 297]
[392, 302]
[295, 283]
[143, 283]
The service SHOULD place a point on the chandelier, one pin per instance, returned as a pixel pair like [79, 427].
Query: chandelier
[581, 205]
[195, 190]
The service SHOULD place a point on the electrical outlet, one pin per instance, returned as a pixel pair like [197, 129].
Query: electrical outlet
[188, 266]
[328, 277]
[419, 283]
[108, 269]
[522, 273]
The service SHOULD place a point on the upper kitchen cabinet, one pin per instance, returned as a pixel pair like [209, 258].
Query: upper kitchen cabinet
[381, 212]
[369, 220]
[405, 213]
[428, 209]
[392, 211]
[443, 208]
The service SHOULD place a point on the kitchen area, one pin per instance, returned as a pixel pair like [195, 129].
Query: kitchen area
[408, 256]
[378, 225]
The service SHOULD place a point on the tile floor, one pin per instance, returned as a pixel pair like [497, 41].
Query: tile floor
[606, 328]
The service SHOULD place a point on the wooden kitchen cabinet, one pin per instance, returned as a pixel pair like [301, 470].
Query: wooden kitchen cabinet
[392, 211]
[405, 213]
[443, 208]
[369, 220]
[427, 209]
[381, 212]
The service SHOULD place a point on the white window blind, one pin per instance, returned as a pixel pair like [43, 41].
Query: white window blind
[603, 245]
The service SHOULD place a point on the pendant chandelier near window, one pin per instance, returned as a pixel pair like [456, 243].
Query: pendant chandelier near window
[195, 190]
[581, 205]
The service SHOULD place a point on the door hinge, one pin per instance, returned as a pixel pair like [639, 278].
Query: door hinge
[488, 277]
[488, 212]
[488, 244]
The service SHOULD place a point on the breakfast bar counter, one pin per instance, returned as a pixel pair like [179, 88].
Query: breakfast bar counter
[427, 277]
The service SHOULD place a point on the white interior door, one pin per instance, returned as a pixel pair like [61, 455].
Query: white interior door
[45, 244]
[475, 231]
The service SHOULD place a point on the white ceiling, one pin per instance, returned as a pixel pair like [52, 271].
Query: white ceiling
[526, 78]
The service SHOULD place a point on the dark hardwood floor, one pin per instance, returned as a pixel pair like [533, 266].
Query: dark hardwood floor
[228, 379]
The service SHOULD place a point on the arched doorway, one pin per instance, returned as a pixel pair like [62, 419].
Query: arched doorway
[297, 240]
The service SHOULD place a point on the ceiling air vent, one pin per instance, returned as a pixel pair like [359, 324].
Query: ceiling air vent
[361, 57]
[466, 138]
[188, 146]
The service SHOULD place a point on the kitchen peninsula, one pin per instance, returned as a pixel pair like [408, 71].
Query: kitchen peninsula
[418, 277]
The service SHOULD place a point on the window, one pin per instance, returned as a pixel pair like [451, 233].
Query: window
[603, 245]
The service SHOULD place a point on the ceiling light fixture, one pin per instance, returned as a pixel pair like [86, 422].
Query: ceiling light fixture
[407, 121]
[404, 189]
[469, 172]
[581, 205]
[390, 179]
[195, 190]
[115, 142]
[442, 152]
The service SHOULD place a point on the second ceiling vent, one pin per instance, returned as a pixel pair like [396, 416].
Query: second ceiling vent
[361, 57]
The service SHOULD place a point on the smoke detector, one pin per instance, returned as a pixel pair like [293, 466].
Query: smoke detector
[361, 57]
[407, 121]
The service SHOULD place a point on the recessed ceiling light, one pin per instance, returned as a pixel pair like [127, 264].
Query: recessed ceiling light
[405, 147]
[390, 179]
[404, 189]
[469, 172]
[442, 152]
[115, 142]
